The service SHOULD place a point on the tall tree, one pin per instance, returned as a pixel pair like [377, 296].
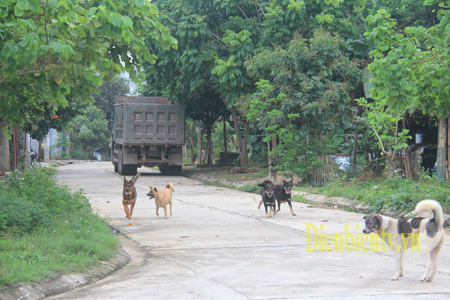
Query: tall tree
[412, 66]
[303, 94]
[217, 37]
[105, 98]
[50, 46]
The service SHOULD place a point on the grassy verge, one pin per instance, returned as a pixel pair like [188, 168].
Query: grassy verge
[246, 188]
[46, 230]
[396, 194]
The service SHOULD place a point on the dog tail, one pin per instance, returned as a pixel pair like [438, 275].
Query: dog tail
[169, 185]
[435, 207]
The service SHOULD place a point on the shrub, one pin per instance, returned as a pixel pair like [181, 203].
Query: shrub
[31, 198]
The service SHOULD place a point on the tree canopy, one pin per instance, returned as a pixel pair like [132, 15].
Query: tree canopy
[50, 46]
[411, 65]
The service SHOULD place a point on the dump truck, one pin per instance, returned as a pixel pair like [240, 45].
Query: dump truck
[147, 131]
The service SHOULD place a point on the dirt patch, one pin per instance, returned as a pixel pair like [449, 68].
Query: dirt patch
[247, 176]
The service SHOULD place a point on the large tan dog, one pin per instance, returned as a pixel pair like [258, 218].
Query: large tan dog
[162, 198]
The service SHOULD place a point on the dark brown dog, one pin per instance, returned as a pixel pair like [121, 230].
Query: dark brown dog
[268, 197]
[129, 195]
[162, 198]
[282, 194]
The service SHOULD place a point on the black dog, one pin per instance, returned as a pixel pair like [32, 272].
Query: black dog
[268, 197]
[283, 194]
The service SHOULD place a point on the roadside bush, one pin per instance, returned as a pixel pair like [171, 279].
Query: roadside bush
[396, 194]
[30, 199]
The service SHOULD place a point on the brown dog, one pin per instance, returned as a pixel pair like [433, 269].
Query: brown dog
[162, 197]
[129, 195]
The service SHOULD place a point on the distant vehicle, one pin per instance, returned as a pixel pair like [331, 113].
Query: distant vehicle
[147, 131]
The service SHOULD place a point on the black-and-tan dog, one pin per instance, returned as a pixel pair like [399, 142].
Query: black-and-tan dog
[268, 197]
[162, 198]
[129, 195]
[282, 194]
[426, 233]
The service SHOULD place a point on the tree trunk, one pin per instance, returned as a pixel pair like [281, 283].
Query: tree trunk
[244, 163]
[199, 144]
[355, 148]
[242, 144]
[406, 159]
[5, 165]
[225, 144]
[191, 142]
[391, 164]
[208, 145]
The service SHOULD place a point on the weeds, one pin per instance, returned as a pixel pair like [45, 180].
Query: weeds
[46, 230]
[396, 194]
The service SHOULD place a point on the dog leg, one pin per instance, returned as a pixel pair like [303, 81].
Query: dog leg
[426, 255]
[170, 203]
[290, 206]
[125, 208]
[279, 206]
[260, 202]
[398, 260]
[165, 211]
[274, 207]
[434, 254]
[131, 210]
[265, 207]
[157, 208]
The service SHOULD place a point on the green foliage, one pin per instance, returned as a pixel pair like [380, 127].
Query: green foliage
[396, 194]
[306, 85]
[302, 98]
[385, 125]
[89, 131]
[412, 64]
[49, 47]
[70, 243]
[30, 199]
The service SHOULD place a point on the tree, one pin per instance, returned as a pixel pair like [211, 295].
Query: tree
[303, 95]
[387, 129]
[216, 38]
[50, 46]
[412, 66]
[89, 132]
[105, 99]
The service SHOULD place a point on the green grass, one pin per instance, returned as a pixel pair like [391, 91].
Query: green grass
[396, 194]
[46, 230]
[73, 243]
[246, 188]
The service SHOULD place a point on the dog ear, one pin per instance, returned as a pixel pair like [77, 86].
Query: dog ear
[284, 181]
[365, 217]
[261, 184]
[132, 179]
[124, 179]
[292, 180]
[137, 176]
[156, 189]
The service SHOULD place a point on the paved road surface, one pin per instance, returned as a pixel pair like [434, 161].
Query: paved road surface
[218, 245]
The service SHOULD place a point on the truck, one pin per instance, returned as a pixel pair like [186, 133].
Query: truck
[147, 131]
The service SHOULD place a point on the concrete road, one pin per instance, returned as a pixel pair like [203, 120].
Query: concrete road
[218, 245]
